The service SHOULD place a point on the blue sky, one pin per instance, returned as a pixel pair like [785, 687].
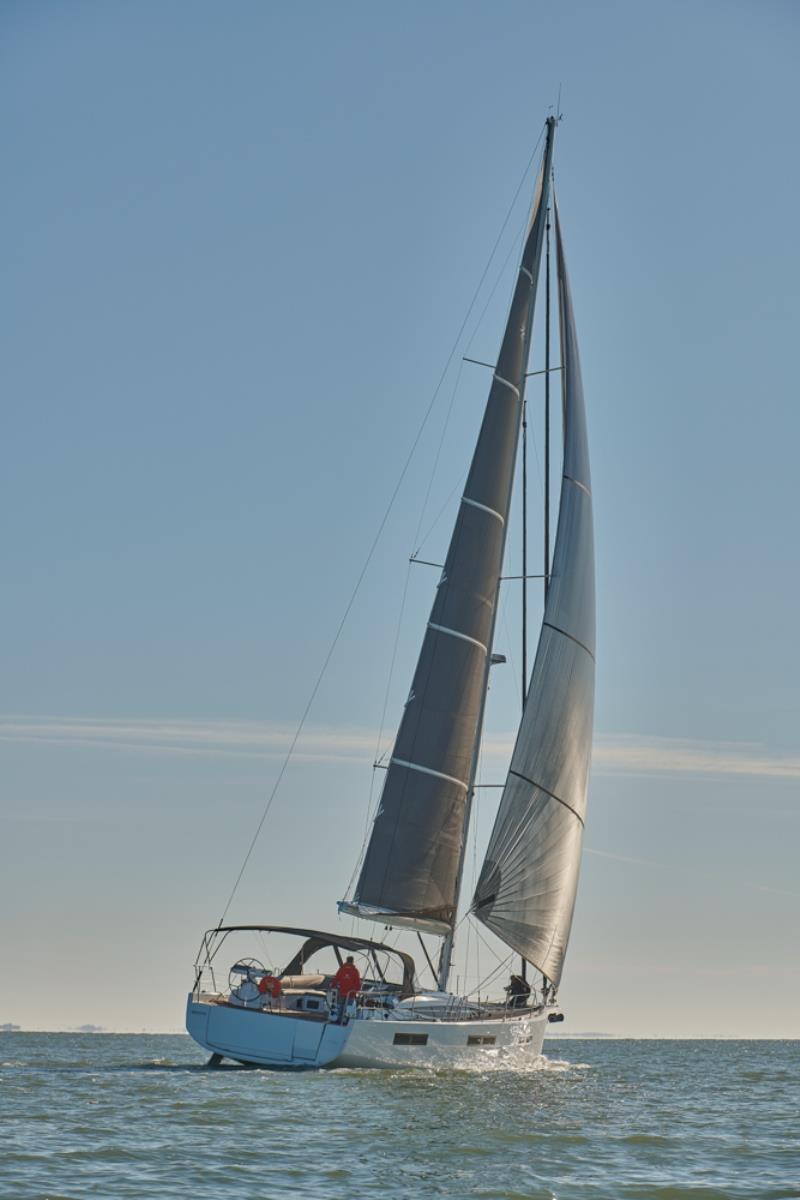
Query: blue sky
[237, 245]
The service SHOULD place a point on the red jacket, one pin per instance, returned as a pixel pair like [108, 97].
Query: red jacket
[347, 979]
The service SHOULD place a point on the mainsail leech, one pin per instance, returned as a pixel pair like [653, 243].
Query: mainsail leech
[526, 890]
[411, 871]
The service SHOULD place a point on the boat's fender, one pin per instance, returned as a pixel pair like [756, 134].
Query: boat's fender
[269, 983]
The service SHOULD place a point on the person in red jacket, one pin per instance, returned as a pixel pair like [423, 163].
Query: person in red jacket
[347, 981]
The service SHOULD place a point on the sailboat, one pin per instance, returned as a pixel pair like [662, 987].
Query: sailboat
[290, 1012]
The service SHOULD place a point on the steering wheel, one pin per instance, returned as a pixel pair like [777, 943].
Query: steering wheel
[245, 987]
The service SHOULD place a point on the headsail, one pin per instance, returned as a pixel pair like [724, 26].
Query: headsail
[410, 873]
[526, 890]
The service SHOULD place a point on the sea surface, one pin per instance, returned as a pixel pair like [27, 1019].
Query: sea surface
[106, 1115]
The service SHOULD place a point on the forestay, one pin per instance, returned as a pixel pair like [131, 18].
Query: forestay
[526, 890]
[410, 873]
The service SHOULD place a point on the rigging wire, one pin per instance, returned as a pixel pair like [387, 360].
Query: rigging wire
[474, 835]
[504, 618]
[493, 952]
[435, 467]
[398, 630]
[379, 739]
[515, 245]
[458, 484]
[492, 976]
[496, 971]
[373, 546]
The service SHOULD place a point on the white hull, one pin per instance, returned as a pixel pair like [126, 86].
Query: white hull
[278, 1040]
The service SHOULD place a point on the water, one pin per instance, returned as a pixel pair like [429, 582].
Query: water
[120, 1116]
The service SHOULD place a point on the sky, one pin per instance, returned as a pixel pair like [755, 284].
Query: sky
[238, 245]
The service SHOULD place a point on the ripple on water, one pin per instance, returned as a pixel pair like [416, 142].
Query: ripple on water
[105, 1116]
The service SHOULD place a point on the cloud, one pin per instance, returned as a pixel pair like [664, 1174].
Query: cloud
[613, 754]
[634, 754]
[243, 739]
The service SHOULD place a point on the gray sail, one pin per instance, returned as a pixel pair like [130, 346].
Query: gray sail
[526, 890]
[410, 873]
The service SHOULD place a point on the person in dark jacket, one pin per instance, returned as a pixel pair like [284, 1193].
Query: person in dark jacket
[518, 992]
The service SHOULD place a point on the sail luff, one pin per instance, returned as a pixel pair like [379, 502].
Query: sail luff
[413, 863]
[526, 890]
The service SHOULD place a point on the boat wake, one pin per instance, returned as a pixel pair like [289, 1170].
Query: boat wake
[507, 1062]
[521, 1064]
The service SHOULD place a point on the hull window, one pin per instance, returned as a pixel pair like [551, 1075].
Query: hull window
[410, 1039]
[481, 1039]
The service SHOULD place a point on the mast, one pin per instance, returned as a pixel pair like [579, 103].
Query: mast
[546, 572]
[547, 410]
[546, 539]
[524, 551]
[523, 964]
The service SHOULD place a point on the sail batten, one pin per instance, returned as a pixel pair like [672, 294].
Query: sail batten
[411, 870]
[527, 886]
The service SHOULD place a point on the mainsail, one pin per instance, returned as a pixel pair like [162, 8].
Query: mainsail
[526, 890]
[411, 871]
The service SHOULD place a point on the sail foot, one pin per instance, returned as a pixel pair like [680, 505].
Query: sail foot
[387, 916]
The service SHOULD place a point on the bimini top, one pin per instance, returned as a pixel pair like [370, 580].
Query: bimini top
[315, 941]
